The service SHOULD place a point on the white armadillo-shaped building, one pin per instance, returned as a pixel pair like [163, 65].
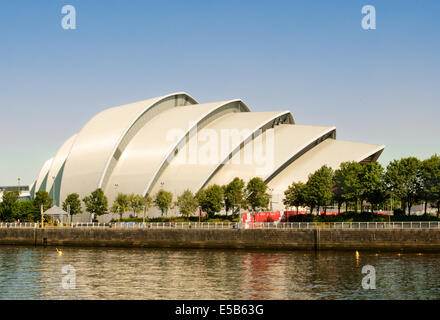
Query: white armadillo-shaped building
[174, 143]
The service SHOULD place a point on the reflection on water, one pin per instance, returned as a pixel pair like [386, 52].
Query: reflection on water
[35, 273]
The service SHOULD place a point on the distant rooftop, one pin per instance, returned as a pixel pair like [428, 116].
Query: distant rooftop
[14, 188]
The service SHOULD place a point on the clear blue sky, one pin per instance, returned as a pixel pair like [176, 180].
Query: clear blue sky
[311, 57]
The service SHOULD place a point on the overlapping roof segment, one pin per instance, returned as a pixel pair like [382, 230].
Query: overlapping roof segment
[330, 152]
[204, 153]
[54, 175]
[155, 144]
[102, 140]
[267, 155]
[40, 184]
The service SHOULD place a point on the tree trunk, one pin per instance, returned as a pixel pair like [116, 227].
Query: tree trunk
[426, 207]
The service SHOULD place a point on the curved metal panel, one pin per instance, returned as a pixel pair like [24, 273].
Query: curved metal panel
[155, 144]
[330, 152]
[191, 170]
[58, 161]
[39, 185]
[281, 145]
[277, 118]
[100, 143]
[32, 190]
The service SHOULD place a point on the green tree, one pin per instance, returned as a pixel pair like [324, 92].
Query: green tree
[257, 195]
[28, 212]
[147, 202]
[210, 199]
[187, 203]
[9, 207]
[234, 194]
[42, 198]
[201, 198]
[404, 179]
[430, 190]
[347, 182]
[163, 200]
[319, 188]
[374, 188]
[136, 203]
[96, 203]
[121, 204]
[338, 196]
[294, 196]
[72, 204]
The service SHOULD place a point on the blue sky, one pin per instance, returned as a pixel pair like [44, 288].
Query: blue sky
[311, 57]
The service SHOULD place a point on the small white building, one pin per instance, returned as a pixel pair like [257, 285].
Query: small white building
[58, 213]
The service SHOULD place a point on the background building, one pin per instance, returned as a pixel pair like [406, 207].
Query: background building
[24, 191]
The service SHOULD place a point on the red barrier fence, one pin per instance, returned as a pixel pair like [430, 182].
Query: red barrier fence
[262, 217]
[280, 216]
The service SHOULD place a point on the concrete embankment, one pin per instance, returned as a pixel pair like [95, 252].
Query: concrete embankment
[273, 239]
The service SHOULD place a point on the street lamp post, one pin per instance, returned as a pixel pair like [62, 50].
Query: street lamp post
[271, 190]
[53, 191]
[116, 194]
[42, 216]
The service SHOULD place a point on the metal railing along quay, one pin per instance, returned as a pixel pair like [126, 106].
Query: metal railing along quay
[19, 225]
[236, 225]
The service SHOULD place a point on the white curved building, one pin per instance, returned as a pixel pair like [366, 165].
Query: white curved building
[174, 143]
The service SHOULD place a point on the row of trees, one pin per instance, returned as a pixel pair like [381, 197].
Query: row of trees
[11, 209]
[211, 200]
[407, 181]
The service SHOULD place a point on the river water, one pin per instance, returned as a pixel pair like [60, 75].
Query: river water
[102, 273]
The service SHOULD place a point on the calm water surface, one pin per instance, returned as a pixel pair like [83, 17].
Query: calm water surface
[36, 273]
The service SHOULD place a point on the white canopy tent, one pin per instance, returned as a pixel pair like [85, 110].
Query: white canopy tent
[58, 213]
